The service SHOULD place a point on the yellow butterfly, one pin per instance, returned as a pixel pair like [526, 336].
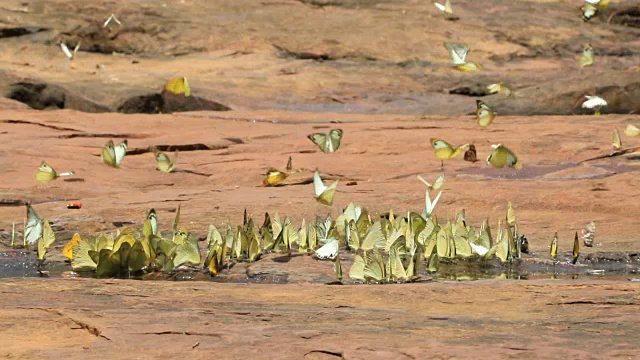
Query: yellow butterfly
[499, 88]
[631, 130]
[323, 194]
[113, 155]
[48, 237]
[576, 249]
[166, 164]
[338, 268]
[46, 173]
[179, 86]
[68, 248]
[152, 218]
[458, 53]
[446, 151]
[616, 142]
[553, 251]
[484, 115]
[274, 177]
[327, 142]
[586, 59]
[502, 156]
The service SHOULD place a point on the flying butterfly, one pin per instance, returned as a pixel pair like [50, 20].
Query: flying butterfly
[446, 8]
[323, 194]
[484, 115]
[179, 86]
[470, 154]
[458, 53]
[631, 130]
[68, 53]
[111, 18]
[502, 156]
[46, 173]
[616, 142]
[586, 59]
[436, 184]
[164, 162]
[327, 142]
[113, 155]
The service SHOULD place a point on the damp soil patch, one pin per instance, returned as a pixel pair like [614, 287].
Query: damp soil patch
[43, 96]
[167, 102]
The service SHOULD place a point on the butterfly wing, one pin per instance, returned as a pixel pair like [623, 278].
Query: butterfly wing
[33, 227]
[48, 237]
[631, 130]
[320, 140]
[326, 198]
[616, 141]
[440, 7]
[165, 164]
[120, 151]
[471, 155]
[45, 173]
[458, 53]
[328, 250]
[66, 51]
[179, 86]
[108, 154]
[335, 136]
[68, 248]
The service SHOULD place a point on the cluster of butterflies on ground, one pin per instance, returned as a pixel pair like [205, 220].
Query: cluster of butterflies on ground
[390, 249]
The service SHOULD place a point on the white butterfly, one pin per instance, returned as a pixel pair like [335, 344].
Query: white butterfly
[112, 17]
[446, 8]
[328, 250]
[34, 226]
[478, 249]
[458, 53]
[593, 102]
[67, 52]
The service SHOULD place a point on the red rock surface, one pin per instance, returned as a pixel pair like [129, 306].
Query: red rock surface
[376, 69]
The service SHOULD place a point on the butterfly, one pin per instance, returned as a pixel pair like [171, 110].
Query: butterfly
[484, 115]
[112, 17]
[470, 154]
[48, 237]
[458, 53]
[70, 55]
[445, 151]
[323, 194]
[338, 268]
[446, 8]
[328, 250]
[327, 142]
[46, 173]
[589, 234]
[553, 251]
[588, 11]
[586, 59]
[33, 227]
[164, 163]
[616, 142]
[178, 86]
[68, 248]
[499, 88]
[631, 130]
[436, 184]
[594, 102]
[502, 156]
[274, 177]
[152, 217]
[576, 249]
[113, 155]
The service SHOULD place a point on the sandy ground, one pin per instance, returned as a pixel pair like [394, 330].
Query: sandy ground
[377, 70]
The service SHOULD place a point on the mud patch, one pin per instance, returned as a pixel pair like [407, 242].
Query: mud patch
[43, 96]
[168, 103]
[21, 31]
[626, 17]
